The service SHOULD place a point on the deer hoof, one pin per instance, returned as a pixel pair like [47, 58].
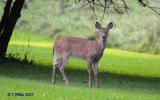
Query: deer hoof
[53, 81]
[67, 83]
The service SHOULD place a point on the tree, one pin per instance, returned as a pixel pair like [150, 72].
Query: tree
[5, 15]
[8, 22]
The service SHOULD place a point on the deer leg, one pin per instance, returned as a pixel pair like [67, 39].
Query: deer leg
[95, 64]
[54, 74]
[55, 65]
[61, 68]
[89, 63]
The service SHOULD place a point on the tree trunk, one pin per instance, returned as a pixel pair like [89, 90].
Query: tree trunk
[5, 15]
[9, 25]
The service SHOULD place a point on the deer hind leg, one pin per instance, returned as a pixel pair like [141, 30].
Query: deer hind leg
[55, 65]
[61, 68]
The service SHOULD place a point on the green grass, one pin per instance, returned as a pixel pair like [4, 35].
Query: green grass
[123, 75]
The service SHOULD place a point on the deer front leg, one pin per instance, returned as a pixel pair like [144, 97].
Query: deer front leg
[95, 64]
[89, 63]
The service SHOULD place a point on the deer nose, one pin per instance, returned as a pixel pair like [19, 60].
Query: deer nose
[103, 36]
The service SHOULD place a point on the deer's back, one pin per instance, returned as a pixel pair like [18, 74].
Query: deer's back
[75, 46]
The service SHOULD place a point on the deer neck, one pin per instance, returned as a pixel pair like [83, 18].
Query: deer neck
[101, 45]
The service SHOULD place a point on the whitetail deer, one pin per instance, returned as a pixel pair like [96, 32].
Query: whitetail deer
[89, 50]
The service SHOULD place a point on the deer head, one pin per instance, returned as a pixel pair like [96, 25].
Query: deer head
[103, 31]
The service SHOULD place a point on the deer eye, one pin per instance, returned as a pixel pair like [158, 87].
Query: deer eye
[101, 31]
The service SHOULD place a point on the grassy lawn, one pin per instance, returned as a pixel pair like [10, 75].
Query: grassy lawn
[123, 75]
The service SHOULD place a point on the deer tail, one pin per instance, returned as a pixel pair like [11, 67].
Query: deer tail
[54, 53]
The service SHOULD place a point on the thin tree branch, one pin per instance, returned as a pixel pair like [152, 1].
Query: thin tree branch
[146, 5]
[125, 6]
[105, 2]
[153, 9]
[93, 9]
[116, 5]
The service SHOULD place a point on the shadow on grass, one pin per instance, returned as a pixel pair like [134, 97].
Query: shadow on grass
[77, 77]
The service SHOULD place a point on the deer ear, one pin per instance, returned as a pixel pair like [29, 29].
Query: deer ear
[110, 25]
[98, 25]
